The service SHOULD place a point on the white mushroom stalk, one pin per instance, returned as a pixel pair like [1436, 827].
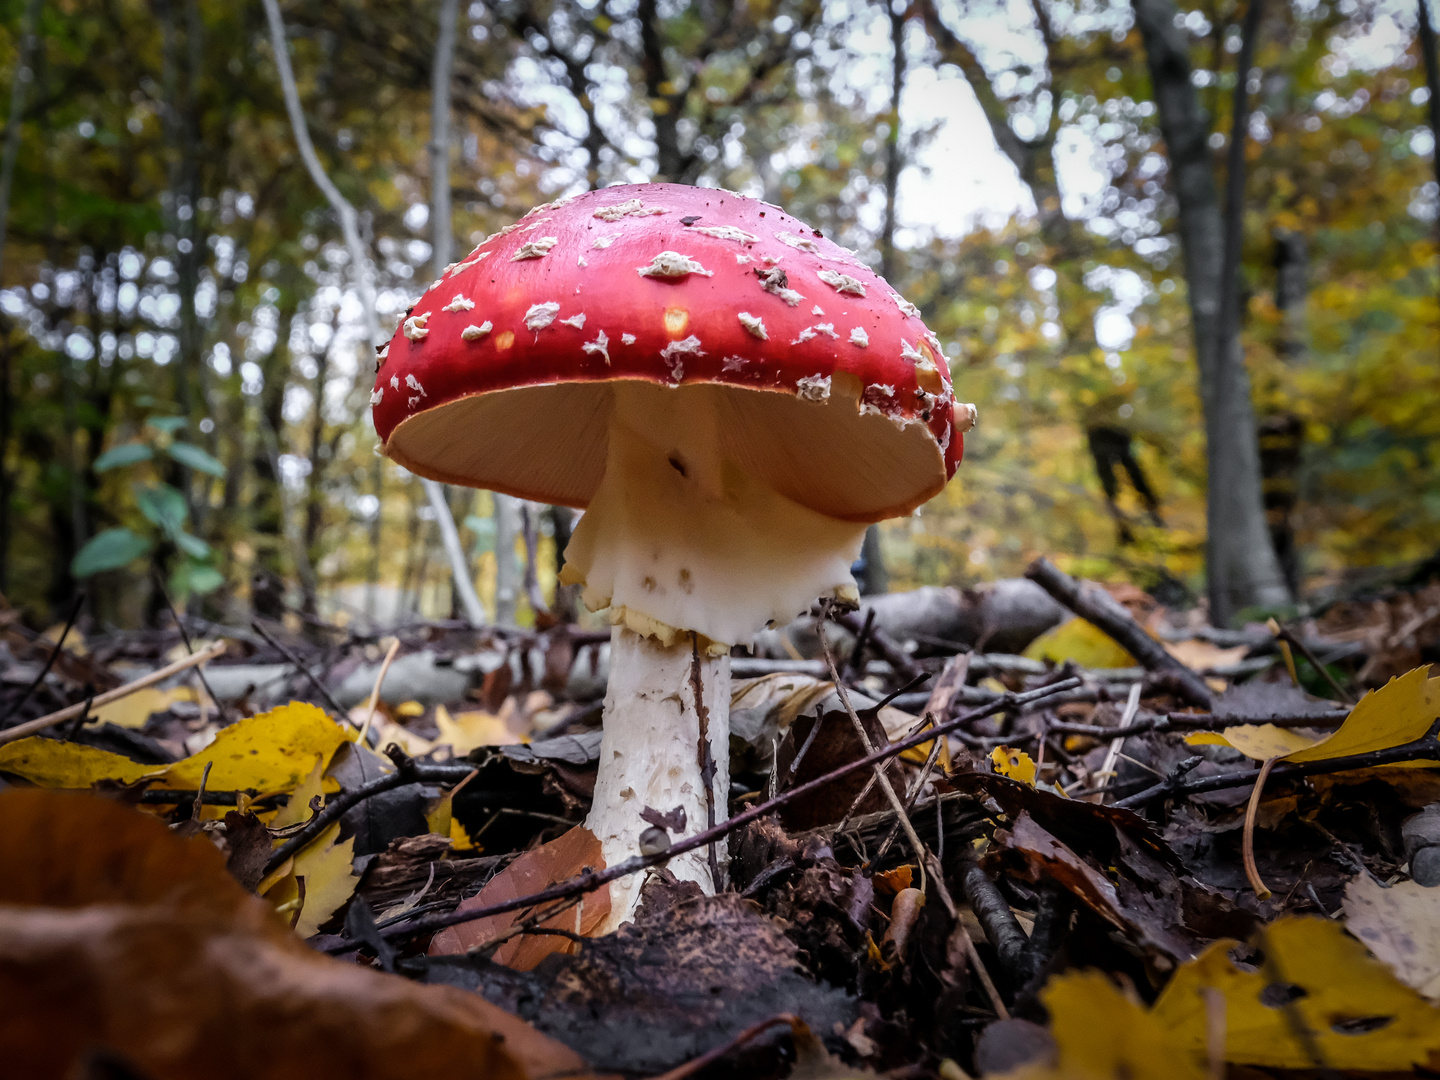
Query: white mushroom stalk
[692, 554]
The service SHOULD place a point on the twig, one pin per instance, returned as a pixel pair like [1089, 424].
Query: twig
[49, 660]
[1099, 608]
[883, 643]
[375, 690]
[589, 882]
[1426, 749]
[189, 646]
[690, 1068]
[19, 731]
[1247, 843]
[1132, 706]
[304, 668]
[994, 914]
[857, 652]
[1293, 640]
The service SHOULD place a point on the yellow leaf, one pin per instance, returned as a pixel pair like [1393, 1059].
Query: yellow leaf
[410, 709]
[1081, 641]
[1258, 741]
[1399, 712]
[407, 740]
[328, 870]
[297, 809]
[1016, 764]
[55, 764]
[467, 731]
[133, 710]
[1401, 925]
[460, 837]
[273, 751]
[1101, 1033]
[1344, 995]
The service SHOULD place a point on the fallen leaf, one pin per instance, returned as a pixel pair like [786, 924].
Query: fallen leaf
[1401, 926]
[119, 936]
[327, 865]
[271, 752]
[1258, 741]
[560, 859]
[1200, 655]
[297, 806]
[475, 728]
[1359, 1015]
[1081, 641]
[1399, 712]
[1016, 764]
[55, 764]
[134, 709]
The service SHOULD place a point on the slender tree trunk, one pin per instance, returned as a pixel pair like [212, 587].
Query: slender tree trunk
[1432, 83]
[670, 163]
[566, 606]
[18, 85]
[507, 565]
[372, 582]
[1241, 563]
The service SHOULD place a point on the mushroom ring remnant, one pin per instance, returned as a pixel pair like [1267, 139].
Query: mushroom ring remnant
[731, 397]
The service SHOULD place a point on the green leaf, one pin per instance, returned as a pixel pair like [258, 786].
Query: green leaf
[192, 545]
[163, 505]
[168, 424]
[190, 455]
[195, 579]
[108, 550]
[120, 456]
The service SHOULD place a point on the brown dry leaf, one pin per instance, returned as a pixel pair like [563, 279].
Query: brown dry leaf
[1200, 655]
[1401, 925]
[560, 859]
[118, 935]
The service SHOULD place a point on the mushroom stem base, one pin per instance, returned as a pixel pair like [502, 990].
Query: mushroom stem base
[650, 755]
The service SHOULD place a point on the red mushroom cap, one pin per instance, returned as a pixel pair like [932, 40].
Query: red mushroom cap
[496, 377]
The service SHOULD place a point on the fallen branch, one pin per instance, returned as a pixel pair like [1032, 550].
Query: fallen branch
[1425, 749]
[303, 668]
[49, 660]
[589, 882]
[1098, 607]
[19, 731]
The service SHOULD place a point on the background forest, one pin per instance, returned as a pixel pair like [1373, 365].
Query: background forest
[185, 369]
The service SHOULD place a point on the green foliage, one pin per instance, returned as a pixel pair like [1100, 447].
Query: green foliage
[112, 549]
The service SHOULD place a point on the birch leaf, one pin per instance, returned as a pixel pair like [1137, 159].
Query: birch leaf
[1401, 925]
[54, 764]
[273, 751]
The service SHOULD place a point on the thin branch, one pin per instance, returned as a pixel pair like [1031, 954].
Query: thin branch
[49, 660]
[303, 668]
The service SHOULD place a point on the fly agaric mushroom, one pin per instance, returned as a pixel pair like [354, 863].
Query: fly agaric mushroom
[730, 397]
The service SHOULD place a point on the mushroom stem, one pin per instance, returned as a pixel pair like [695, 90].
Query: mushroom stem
[649, 754]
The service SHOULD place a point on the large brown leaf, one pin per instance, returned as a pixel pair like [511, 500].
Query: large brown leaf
[118, 937]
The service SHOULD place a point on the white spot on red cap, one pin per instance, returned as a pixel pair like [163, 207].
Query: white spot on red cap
[776, 282]
[800, 243]
[817, 310]
[414, 384]
[909, 352]
[627, 339]
[733, 363]
[535, 249]
[966, 416]
[813, 387]
[377, 395]
[415, 327]
[842, 283]
[859, 337]
[945, 439]
[581, 261]
[905, 305]
[741, 259]
[629, 208]
[394, 382]
[689, 346]
[475, 333]
[460, 267]
[460, 303]
[599, 347]
[541, 315]
[726, 232]
[577, 321]
[603, 242]
[754, 324]
[384, 352]
[671, 264]
[828, 329]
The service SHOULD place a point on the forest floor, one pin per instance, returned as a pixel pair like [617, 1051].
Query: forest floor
[1141, 848]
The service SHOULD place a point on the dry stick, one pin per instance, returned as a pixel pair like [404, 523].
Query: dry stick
[19, 731]
[1247, 844]
[189, 648]
[589, 882]
[706, 758]
[690, 1068]
[49, 660]
[1132, 706]
[1099, 608]
[882, 642]
[302, 667]
[375, 691]
[922, 853]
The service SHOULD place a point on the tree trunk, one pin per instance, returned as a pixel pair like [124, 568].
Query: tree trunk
[507, 566]
[1240, 560]
[1432, 83]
